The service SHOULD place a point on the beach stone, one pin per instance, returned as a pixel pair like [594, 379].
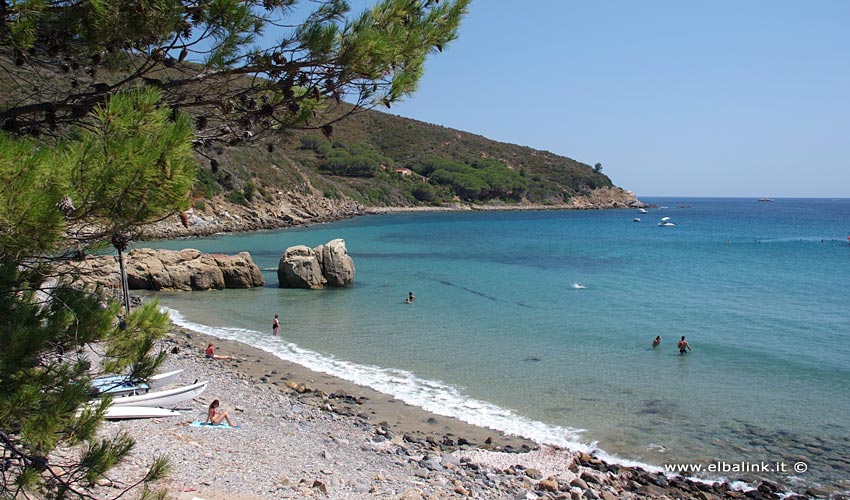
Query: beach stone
[589, 493]
[362, 488]
[411, 494]
[550, 484]
[607, 495]
[534, 473]
[447, 459]
[432, 464]
[590, 478]
[579, 483]
[320, 486]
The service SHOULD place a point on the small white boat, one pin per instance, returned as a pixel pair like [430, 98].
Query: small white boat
[121, 412]
[665, 221]
[163, 379]
[642, 210]
[163, 398]
[119, 385]
[636, 219]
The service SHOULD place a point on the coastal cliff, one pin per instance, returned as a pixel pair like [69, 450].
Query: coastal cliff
[308, 205]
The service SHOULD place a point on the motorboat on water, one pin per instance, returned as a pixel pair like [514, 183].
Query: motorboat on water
[642, 210]
[636, 219]
[666, 222]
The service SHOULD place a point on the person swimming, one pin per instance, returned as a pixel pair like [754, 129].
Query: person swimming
[683, 345]
[656, 342]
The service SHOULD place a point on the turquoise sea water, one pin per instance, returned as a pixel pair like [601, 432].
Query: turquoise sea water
[499, 336]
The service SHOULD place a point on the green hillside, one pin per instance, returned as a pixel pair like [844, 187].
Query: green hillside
[380, 159]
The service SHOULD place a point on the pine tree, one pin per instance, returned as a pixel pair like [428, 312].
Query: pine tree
[104, 106]
[132, 165]
[214, 59]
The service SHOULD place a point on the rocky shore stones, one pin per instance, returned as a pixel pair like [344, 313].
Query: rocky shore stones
[188, 269]
[314, 268]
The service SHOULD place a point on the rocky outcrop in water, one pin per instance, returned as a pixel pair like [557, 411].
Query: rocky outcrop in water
[149, 269]
[326, 265]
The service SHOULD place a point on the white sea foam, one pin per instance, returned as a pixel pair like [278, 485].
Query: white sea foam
[430, 395]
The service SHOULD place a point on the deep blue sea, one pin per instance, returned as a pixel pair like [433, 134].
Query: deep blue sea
[502, 335]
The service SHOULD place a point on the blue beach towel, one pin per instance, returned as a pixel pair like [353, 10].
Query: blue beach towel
[198, 423]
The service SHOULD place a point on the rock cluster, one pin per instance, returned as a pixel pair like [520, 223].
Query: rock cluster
[149, 269]
[604, 198]
[326, 265]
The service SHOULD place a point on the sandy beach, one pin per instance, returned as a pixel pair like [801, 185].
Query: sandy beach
[305, 434]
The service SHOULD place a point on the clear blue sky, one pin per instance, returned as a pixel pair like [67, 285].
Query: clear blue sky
[678, 98]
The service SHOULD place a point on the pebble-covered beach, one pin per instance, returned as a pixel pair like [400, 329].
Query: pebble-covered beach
[302, 434]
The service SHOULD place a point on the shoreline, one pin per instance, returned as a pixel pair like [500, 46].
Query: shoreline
[224, 217]
[347, 398]
[305, 433]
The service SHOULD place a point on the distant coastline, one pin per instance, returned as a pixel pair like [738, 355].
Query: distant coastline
[224, 217]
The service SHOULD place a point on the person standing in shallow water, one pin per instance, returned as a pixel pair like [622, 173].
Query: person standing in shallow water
[276, 325]
[683, 345]
[656, 342]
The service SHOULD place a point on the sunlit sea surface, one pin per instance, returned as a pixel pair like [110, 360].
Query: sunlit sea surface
[540, 324]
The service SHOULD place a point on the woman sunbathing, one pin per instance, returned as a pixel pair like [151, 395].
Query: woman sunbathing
[209, 353]
[215, 416]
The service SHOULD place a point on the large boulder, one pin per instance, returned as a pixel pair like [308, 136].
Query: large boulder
[239, 271]
[326, 265]
[299, 268]
[337, 265]
[149, 269]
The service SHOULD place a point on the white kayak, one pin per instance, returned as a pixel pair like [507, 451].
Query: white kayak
[120, 412]
[162, 398]
[163, 379]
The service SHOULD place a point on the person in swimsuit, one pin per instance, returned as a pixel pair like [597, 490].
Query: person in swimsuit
[215, 416]
[275, 325]
[209, 353]
[656, 342]
[410, 297]
[683, 345]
